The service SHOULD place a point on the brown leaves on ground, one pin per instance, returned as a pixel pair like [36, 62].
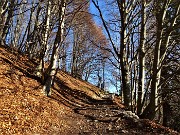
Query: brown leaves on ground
[75, 106]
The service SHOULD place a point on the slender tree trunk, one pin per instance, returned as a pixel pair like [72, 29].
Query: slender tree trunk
[155, 76]
[1, 20]
[164, 110]
[141, 57]
[74, 56]
[103, 81]
[123, 57]
[28, 30]
[150, 112]
[63, 58]
[52, 68]
[7, 21]
[40, 68]
[3, 8]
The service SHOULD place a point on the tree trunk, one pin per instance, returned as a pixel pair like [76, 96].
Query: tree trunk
[74, 56]
[51, 71]
[166, 113]
[52, 68]
[123, 56]
[150, 112]
[40, 68]
[164, 109]
[141, 57]
[3, 8]
[7, 20]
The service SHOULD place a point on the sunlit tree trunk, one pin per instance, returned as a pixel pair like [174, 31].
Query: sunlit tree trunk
[29, 46]
[162, 40]
[52, 68]
[5, 21]
[40, 68]
[150, 112]
[3, 10]
[123, 55]
[141, 57]
[164, 111]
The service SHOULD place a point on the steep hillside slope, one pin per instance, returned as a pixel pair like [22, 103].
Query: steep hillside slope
[75, 107]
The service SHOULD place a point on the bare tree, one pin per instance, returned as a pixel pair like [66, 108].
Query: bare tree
[163, 36]
[51, 70]
[125, 20]
[141, 49]
[7, 8]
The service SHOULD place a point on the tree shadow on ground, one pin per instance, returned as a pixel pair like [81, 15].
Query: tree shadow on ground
[83, 104]
[73, 97]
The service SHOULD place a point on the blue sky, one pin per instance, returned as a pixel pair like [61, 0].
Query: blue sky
[95, 13]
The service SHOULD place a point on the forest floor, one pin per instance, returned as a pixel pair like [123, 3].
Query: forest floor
[75, 106]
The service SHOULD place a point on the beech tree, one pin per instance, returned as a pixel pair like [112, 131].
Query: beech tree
[44, 39]
[3, 7]
[6, 14]
[51, 70]
[134, 46]
[86, 41]
[124, 23]
[163, 36]
[141, 49]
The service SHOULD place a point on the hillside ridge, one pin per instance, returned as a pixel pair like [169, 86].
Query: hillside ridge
[75, 106]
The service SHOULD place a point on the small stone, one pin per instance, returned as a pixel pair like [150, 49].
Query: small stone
[124, 131]
[95, 120]
[88, 121]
